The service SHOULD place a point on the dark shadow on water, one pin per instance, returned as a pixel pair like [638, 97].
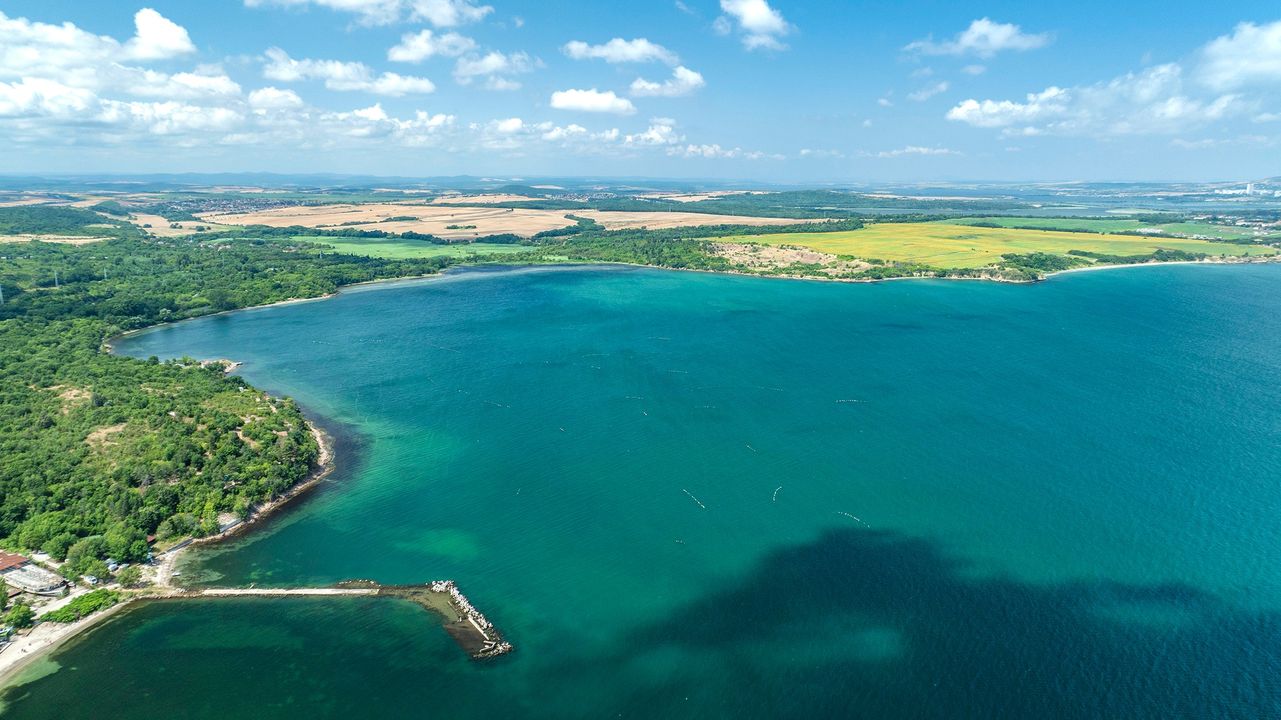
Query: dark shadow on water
[894, 628]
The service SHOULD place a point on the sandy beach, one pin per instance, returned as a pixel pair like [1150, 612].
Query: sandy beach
[40, 640]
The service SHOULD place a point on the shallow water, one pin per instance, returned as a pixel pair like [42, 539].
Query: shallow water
[683, 494]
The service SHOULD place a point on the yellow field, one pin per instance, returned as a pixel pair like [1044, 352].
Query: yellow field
[959, 246]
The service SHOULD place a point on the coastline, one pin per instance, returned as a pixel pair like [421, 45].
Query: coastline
[47, 637]
[43, 639]
[321, 469]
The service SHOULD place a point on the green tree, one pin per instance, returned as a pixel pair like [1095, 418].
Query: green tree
[130, 576]
[20, 616]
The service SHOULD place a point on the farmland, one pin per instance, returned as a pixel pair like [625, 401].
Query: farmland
[953, 245]
[1120, 225]
[398, 249]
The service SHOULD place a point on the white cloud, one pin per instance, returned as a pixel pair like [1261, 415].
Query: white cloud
[916, 150]
[441, 13]
[449, 13]
[1052, 102]
[619, 50]
[661, 131]
[496, 67]
[564, 133]
[39, 97]
[271, 98]
[342, 76]
[185, 86]
[592, 101]
[1250, 56]
[419, 46]
[82, 58]
[1151, 102]
[974, 69]
[157, 37]
[508, 126]
[716, 152]
[683, 82]
[168, 118]
[885, 102]
[760, 25]
[929, 91]
[983, 38]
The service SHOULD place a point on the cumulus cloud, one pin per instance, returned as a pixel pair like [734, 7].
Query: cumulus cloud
[508, 126]
[1150, 102]
[441, 13]
[342, 76]
[564, 133]
[984, 38]
[36, 97]
[619, 50]
[157, 37]
[495, 67]
[661, 131]
[1250, 56]
[760, 26]
[419, 46]
[593, 101]
[271, 98]
[682, 82]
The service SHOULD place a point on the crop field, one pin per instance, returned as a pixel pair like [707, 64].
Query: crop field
[1113, 225]
[396, 249]
[944, 245]
[467, 223]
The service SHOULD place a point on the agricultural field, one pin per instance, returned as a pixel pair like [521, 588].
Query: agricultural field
[397, 249]
[1115, 225]
[457, 222]
[951, 245]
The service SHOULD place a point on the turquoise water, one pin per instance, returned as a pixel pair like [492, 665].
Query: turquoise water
[684, 495]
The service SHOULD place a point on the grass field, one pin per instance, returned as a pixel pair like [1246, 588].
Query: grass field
[1113, 225]
[397, 249]
[943, 245]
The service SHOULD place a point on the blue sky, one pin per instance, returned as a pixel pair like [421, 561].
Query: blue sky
[757, 89]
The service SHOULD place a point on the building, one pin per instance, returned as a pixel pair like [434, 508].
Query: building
[25, 575]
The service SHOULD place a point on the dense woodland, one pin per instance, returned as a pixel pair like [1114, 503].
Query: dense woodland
[99, 451]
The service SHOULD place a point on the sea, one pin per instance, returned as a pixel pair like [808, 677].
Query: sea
[689, 495]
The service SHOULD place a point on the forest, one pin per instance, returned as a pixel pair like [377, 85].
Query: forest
[99, 451]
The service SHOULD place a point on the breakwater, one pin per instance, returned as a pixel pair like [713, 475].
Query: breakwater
[469, 627]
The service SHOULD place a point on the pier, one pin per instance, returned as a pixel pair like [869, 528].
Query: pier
[469, 627]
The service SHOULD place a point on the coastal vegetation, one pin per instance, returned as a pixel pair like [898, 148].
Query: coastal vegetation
[97, 452]
[83, 606]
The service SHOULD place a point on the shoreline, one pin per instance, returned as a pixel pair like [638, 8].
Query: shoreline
[43, 639]
[321, 469]
[47, 637]
[25, 649]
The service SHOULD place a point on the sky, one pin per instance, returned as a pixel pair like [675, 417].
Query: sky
[767, 90]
